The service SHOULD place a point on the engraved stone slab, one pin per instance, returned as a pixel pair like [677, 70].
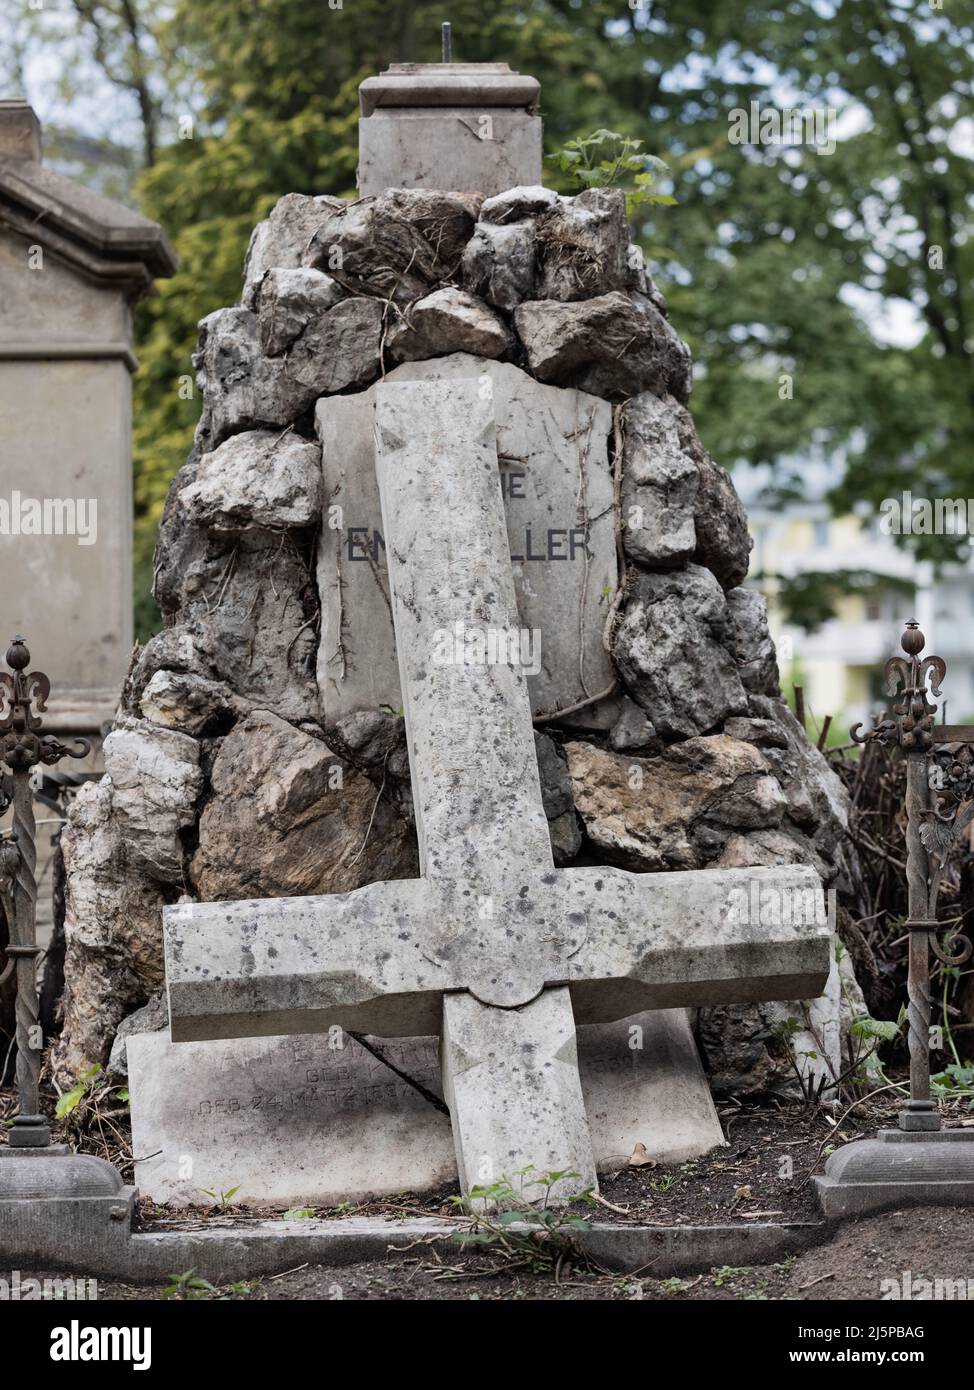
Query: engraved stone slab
[556, 482]
[293, 1120]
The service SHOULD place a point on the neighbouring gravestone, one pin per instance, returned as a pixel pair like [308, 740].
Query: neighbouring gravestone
[507, 951]
[556, 481]
[71, 265]
[449, 125]
[315, 1120]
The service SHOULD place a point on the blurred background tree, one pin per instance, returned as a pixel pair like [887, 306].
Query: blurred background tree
[828, 298]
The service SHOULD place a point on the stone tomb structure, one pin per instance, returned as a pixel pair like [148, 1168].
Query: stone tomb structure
[71, 266]
[243, 765]
[506, 950]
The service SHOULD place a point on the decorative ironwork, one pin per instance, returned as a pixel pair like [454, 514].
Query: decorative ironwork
[23, 698]
[913, 730]
[939, 804]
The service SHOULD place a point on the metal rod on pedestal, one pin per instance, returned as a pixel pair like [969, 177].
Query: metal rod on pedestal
[446, 32]
[21, 750]
[939, 802]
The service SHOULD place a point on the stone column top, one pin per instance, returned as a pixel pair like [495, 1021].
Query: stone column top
[489, 85]
[102, 240]
[20, 131]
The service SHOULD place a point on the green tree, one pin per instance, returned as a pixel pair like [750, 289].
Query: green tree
[778, 261]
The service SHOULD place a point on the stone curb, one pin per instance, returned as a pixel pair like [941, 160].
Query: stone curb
[228, 1253]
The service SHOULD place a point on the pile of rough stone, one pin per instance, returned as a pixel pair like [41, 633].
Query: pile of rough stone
[220, 776]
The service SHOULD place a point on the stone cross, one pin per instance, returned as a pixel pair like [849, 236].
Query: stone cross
[492, 946]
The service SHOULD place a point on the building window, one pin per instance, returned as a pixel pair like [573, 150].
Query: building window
[821, 534]
[874, 610]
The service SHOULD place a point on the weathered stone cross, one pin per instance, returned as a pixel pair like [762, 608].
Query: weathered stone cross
[492, 945]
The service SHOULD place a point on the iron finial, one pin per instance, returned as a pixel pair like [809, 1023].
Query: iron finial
[18, 657]
[913, 640]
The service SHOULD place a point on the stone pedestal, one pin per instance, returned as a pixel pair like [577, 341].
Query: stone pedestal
[458, 126]
[899, 1168]
[61, 1209]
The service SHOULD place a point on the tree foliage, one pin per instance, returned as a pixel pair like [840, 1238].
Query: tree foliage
[779, 261]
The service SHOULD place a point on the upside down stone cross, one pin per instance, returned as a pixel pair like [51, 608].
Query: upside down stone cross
[492, 946]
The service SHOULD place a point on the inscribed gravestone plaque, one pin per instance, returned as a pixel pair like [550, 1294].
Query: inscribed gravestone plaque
[303, 1120]
[556, 482]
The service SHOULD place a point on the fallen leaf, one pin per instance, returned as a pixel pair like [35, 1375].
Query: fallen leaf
[640, 1158]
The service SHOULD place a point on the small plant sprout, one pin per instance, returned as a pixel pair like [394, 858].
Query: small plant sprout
[606, 159]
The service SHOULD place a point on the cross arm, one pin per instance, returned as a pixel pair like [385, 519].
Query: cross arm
[379, 959]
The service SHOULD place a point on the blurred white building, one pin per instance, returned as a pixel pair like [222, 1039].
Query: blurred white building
[839, 666]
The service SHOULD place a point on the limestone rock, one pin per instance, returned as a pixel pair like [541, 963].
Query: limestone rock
[375, 742]
[258, 478]
[190, 703]
[149, 1019]
[449, 320]
[244, 610]
[289, 300]
[287, 817]
[672, 649]
[559, 806]
[763, 733]
[398, 245]
[751, 642]
[632, 731]
[639, 279]
[613, 345]
[499, 263]
[338, 350]
[241, 388]
[244, 390]
[282, 238]
[686, 506]
[517, 203]
[156, 781]
[765, 848]
[113, 932]
[818, 803]
[733, 1040]
[659, 484]
[676, 810]
[582, 243]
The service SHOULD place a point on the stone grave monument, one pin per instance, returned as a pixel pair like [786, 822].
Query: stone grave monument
[261, 749]
[493, 946]
[71, 265]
